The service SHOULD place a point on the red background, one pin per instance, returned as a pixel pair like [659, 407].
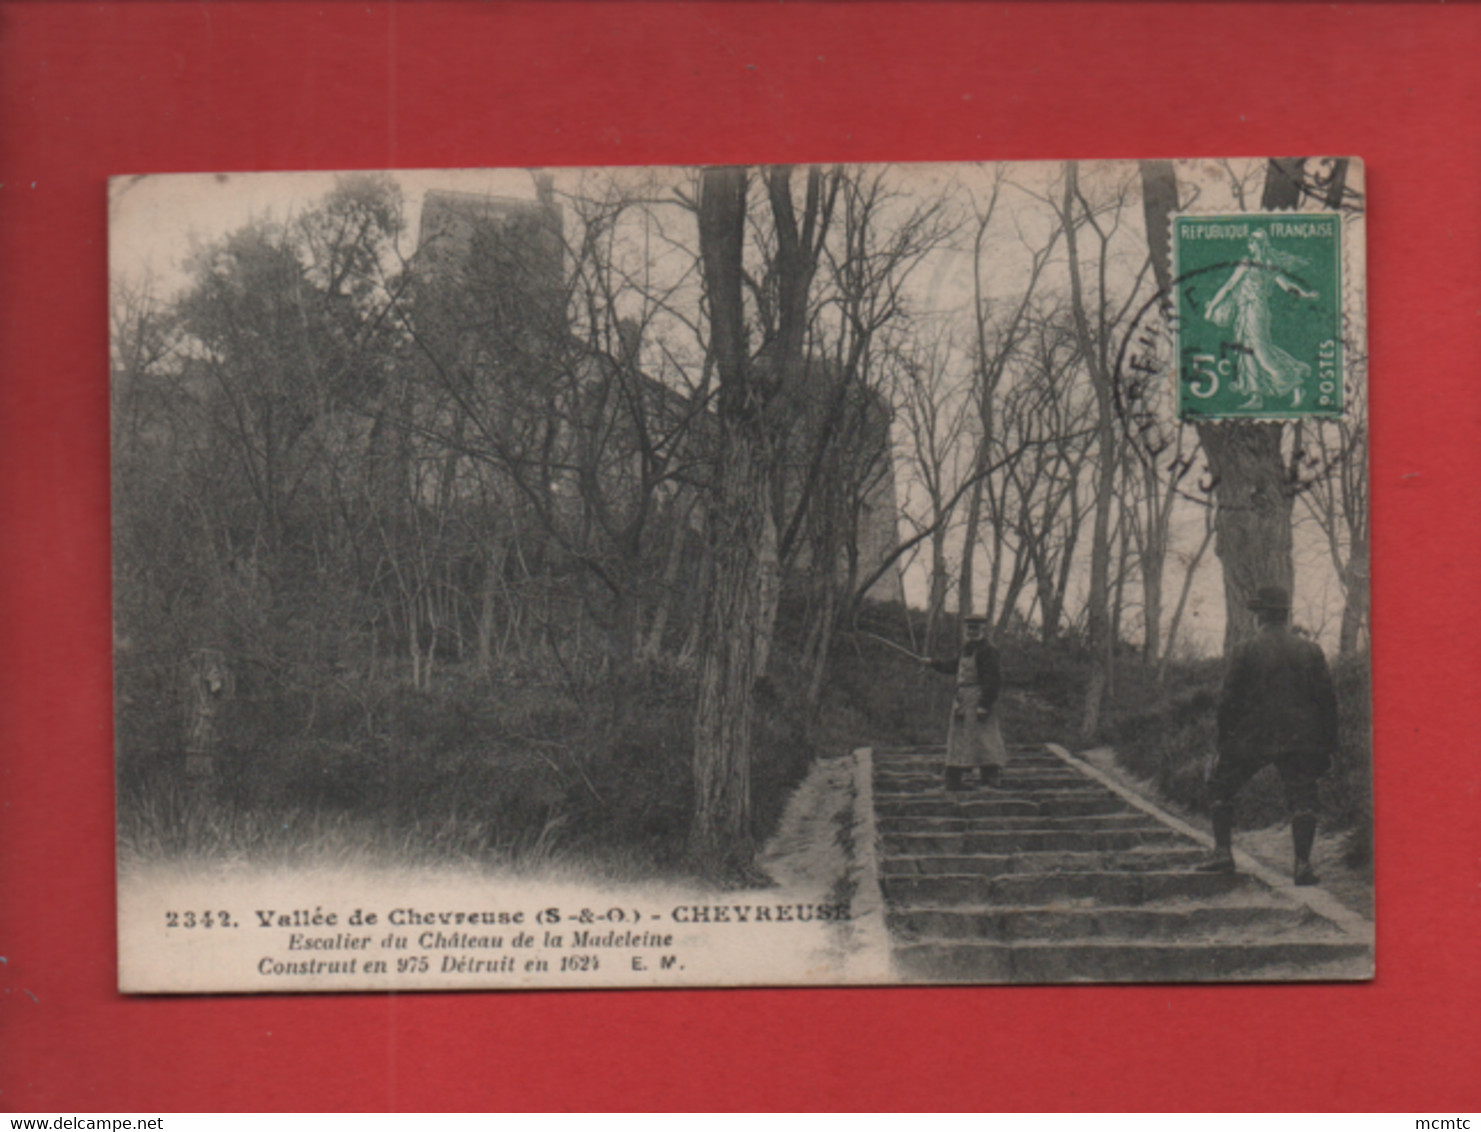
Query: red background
[91, 90]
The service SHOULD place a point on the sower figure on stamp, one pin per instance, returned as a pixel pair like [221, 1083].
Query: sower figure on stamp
[1277, 706]
[974, 738]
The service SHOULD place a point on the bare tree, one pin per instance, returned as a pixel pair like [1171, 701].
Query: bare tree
[1189, 573]
[738, 527]
[859, 314]
[1045, 491]
[1336, 497]
[530, 345]
[1252, 482]
[995, 342]
[1097, 315]
[1152, 489]
[284, 346]
[935, 410]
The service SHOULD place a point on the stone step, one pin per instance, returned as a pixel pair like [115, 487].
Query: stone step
[1217, 923]
[925, 754]
[1022, 840]
[981, 804]
[1073, 795]
[1078, 823]
[936, 763]
[1124, 960]
[934, 790]
[1178, 857]
[1122, 889]
[1013, 779]
[1055, 878]
[988, 803]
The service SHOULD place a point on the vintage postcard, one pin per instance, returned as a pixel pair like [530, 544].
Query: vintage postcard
[780, 575]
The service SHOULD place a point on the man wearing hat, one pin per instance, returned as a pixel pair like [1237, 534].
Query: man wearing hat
[974, 738]
[1277, 706]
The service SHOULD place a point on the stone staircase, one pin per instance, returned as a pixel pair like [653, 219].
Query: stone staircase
[1058, 877]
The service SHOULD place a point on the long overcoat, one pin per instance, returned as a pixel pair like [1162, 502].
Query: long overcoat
[1278, 704]
[975, 737]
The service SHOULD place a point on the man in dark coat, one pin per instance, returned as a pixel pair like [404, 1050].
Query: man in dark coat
[974, 738]
[1277, 706]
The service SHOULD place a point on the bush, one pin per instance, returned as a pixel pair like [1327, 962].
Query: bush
[498, 770]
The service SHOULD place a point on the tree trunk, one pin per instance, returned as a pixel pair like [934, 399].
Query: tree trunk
[669, 584]
[1017, 580]
[820, 641]
[720, 834]
[1151, 609]
[1177, 613]
[995, 568]
[1253, 519]
[1098, 619]
[964, 595]
[1355, 607]
[940, 579]
[488, 604]
[768, 573]
[1153, 562]
[969, 545]
[1251, 490]
[1119, 594]
[1044, 587]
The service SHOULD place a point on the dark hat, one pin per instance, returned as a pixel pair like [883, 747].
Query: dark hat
[1271, 598]
[974, 619]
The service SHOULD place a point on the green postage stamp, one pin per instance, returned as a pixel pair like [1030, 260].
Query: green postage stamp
[1259, 315]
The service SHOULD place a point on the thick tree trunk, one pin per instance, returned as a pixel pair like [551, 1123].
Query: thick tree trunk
[1253, 520]
[720, 835]
[1251, 488]
[730, 660]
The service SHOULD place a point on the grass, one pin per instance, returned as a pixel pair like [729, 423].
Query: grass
[472, 774]
[484, 774]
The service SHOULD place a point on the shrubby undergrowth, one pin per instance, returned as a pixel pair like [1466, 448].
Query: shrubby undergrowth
[479, 771]
[470, 771]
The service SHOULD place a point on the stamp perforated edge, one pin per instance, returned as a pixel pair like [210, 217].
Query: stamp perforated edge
[1352, 339]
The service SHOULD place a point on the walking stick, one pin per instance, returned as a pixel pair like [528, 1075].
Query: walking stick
[897, 648]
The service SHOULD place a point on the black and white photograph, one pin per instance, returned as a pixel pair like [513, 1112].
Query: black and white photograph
[741, 576]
